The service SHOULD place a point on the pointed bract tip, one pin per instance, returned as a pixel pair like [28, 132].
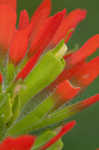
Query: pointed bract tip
[24, 19]
[68, 126]
[63, 12]
[45, 3]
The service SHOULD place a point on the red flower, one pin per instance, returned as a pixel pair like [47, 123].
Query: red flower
[26, 142]
[30, 41]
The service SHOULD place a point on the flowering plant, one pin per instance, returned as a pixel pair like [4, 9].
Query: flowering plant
[39, 76]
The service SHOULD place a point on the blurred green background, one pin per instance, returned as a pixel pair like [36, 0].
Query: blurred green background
[85, 136]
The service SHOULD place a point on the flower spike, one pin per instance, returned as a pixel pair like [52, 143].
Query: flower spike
[39, 77]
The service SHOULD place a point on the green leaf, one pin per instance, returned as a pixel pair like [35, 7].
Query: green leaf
[6, 108]
[55, 118]
[2, 128]
[15, 110]
[10, 73]
[25, 124]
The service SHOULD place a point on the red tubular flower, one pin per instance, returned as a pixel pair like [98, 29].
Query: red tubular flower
[63, 131]
[70, 22]
[7, 27]
[23, 20]
[86, 50]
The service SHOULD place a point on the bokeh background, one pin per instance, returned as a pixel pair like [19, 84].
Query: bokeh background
[85, 136]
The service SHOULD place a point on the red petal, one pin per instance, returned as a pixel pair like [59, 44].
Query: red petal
[7, 26]
[39, 17]
[46, 33]
[21, 143]
[12, 3]
[69, 22]
[87, 73]
[65, 91]
[63, 131]
[24, 19]
[19, 46]
[86, 50]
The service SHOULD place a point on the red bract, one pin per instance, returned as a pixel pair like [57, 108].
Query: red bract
[68, 25]
[26, 142]
[7, 27]
[86, 50]
[39, 17]
[19, 46]
[21, 143]
[65, 91]
[11, 3]
[87, 73]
